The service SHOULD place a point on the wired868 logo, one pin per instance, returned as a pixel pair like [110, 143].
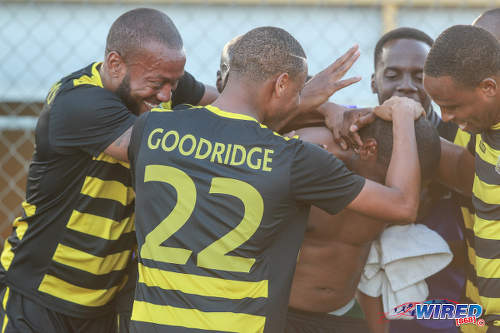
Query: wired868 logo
[442, 309]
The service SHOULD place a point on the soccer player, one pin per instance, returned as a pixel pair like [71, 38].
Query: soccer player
[69, 253]
[399, 59]
[399, 62]
[335, 247]
[222, 201]
[461, 75]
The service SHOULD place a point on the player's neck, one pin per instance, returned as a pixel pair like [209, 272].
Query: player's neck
[238, 100]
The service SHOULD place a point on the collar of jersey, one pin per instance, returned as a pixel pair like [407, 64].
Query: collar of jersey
[96, 75]
[496, 126]
[231, 115]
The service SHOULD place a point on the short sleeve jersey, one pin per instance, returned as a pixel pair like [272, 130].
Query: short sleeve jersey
[217, 200]
[71, 247]
[486, 200]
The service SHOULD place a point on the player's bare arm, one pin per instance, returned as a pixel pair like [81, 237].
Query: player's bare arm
[398, 200]
[373, 309]
[456, 167]
[118, 149]
[209, 95]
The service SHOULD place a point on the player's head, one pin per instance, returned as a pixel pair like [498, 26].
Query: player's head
[225, 57]
[144, 58]
[489, 21]
[399, 63]
[375, 154]
[271, 66]
[461, 74]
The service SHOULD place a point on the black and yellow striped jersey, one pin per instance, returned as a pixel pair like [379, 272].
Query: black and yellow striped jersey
[71, 247]
[451, 132]
[221, 209]
[486, 200]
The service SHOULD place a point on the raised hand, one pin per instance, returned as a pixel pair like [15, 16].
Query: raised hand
[324, 84]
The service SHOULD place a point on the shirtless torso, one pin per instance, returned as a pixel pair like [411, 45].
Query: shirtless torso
[334, 249]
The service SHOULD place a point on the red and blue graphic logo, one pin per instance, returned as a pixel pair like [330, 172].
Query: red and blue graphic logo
[443, 309]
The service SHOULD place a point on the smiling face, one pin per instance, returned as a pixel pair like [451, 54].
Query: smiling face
[399, 71]
[473, 109]
[151, 76]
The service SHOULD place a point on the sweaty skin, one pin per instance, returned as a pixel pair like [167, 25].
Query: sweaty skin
[335, 247]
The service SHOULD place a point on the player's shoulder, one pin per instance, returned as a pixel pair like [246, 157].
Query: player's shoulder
[315, 135]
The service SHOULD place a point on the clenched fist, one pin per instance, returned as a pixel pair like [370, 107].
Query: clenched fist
[398, 104]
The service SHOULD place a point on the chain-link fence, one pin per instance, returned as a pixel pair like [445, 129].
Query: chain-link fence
[42, 41]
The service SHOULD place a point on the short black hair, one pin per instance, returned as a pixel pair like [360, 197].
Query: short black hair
[428, 144]
[138, 27]
[400, 33]
[265, 51]
[466, 53]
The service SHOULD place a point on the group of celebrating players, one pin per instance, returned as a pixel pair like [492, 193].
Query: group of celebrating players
[156, 203]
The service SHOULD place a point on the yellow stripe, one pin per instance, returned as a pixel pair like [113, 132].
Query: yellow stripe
[5, 322]
[191, 318]
[108, 159]
[29, 209]
[462, 138]
[89, 263]
[4, 303]
[490, 305]
[107, 189]
[468, 218]
[99, 226]
[202, 285]
[496, 126]
[487, 193]
[490, 155]
[488, 268]
[94, 80]
[5, 298]
[472, 292]
[75, 294]
[7, 254]
[487, 229]
[160, 110]
[166, 105]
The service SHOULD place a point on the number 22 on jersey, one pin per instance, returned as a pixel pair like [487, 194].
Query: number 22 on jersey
[214, 256]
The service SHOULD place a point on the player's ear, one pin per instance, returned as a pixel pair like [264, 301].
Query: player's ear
[281, 84]
[369, 150]
[116, 65]
[489, 87]
[374, 84]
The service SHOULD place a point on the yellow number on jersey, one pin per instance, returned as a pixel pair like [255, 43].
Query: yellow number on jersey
[186, 199]
[215, 255]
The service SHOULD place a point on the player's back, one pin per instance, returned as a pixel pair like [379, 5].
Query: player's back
[205, 168]
[217, 220]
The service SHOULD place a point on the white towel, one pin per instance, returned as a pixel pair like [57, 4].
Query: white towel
[398, 263]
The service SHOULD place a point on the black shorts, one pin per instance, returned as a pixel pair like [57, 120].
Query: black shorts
[18, 314]
[298, 321]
